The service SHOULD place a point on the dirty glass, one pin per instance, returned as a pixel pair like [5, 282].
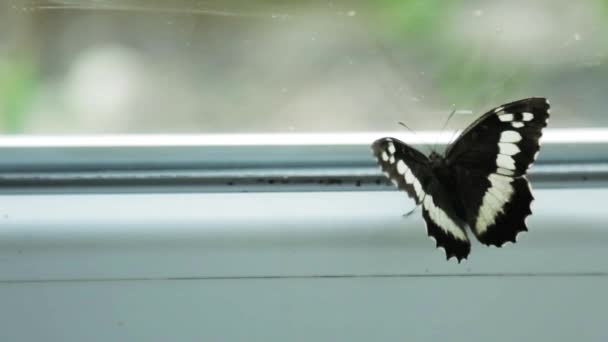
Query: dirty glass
[135, 66]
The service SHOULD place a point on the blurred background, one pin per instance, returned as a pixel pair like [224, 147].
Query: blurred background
[189, 66]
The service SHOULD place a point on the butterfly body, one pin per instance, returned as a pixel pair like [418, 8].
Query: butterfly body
[479, 183]
[444, 175]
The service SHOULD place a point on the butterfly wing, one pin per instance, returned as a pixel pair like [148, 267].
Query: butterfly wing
[490, 160]
[443, 224]
[410, 171]
[405, 166]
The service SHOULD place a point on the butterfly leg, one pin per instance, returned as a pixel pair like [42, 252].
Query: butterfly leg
[409, 213]
[414, 208]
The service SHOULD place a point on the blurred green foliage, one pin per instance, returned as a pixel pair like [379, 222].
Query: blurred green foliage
[412, 18]
[419, 27]
[18, 81]
[478, 81]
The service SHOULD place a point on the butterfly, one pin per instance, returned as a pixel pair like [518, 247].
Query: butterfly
[479, 182]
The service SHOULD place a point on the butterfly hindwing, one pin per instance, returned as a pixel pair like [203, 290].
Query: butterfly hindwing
[443, 224]
[410, 170]
[489, 162]
[496, 206]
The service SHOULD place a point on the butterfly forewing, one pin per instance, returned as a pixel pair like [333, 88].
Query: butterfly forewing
[410, 170]
[489, 162]
[504, 140]
[405, 166]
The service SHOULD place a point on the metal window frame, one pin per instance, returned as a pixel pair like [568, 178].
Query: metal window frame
[254, 162]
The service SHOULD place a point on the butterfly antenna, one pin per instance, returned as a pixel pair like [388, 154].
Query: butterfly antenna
[404, 125]
[409, 129]
[452, 136]
[445, 124]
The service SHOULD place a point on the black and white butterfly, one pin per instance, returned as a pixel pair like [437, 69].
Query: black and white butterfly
[479, 182]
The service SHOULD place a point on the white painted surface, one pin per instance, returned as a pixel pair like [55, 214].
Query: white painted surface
[103, 266]
[550, 136]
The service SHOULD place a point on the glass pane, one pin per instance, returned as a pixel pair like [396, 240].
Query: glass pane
[136, 66]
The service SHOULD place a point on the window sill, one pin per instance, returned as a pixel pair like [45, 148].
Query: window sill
[312, 234]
